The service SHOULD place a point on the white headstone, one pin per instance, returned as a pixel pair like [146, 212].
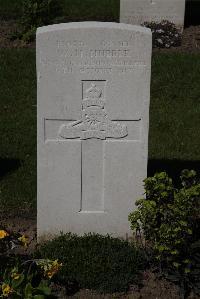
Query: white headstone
[93, 116]
[139, 11]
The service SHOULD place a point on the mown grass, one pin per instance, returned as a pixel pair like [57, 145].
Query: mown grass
[72, 9]
[174, 118]
[10, 9]
[18, 128]
[175, 107]
[94, 9]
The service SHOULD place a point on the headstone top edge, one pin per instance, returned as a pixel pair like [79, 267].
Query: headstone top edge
[92, 24]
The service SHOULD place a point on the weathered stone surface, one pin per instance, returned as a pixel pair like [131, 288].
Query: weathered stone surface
[138, 11]
[93, 107]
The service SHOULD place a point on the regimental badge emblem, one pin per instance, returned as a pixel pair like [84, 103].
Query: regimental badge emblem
[94, 122]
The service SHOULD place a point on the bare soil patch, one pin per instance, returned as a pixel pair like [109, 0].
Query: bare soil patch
[25, 225]
[7, 31]
[190, 41]
[151, 287]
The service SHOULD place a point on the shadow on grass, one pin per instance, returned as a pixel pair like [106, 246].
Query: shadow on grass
[8, 165]
[172, 167]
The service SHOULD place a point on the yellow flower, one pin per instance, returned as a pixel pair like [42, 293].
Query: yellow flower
[6, 289]
[53, 268]
[24, 240]
[15, 276]
[56, 264]
[49, 267]
[50, 274]
[3, 234]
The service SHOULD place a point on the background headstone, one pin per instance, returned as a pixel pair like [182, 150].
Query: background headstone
[139, 11]
[93, 116]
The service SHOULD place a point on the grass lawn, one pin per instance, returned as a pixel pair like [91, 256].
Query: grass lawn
[10, 9]
[95, 9]
[174, 119]
[72, 9]
[175, 107]
[18, 128]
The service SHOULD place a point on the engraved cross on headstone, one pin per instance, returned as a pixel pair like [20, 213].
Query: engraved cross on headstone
[93, 127]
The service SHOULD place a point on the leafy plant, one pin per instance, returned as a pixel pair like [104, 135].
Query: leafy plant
[38, 13]
[8, 242]
[29, 279]
[164, 34]
[169, 218]
[94, 261]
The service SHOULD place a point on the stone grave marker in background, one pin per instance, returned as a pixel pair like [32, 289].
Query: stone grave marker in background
[139, 11]
[93, 115]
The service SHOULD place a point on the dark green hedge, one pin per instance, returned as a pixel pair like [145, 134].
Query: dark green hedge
[96, 262]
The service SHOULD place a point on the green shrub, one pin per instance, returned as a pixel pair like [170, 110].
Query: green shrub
[94, 261]
[169, 218]
[164, 34]
[38, 13]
